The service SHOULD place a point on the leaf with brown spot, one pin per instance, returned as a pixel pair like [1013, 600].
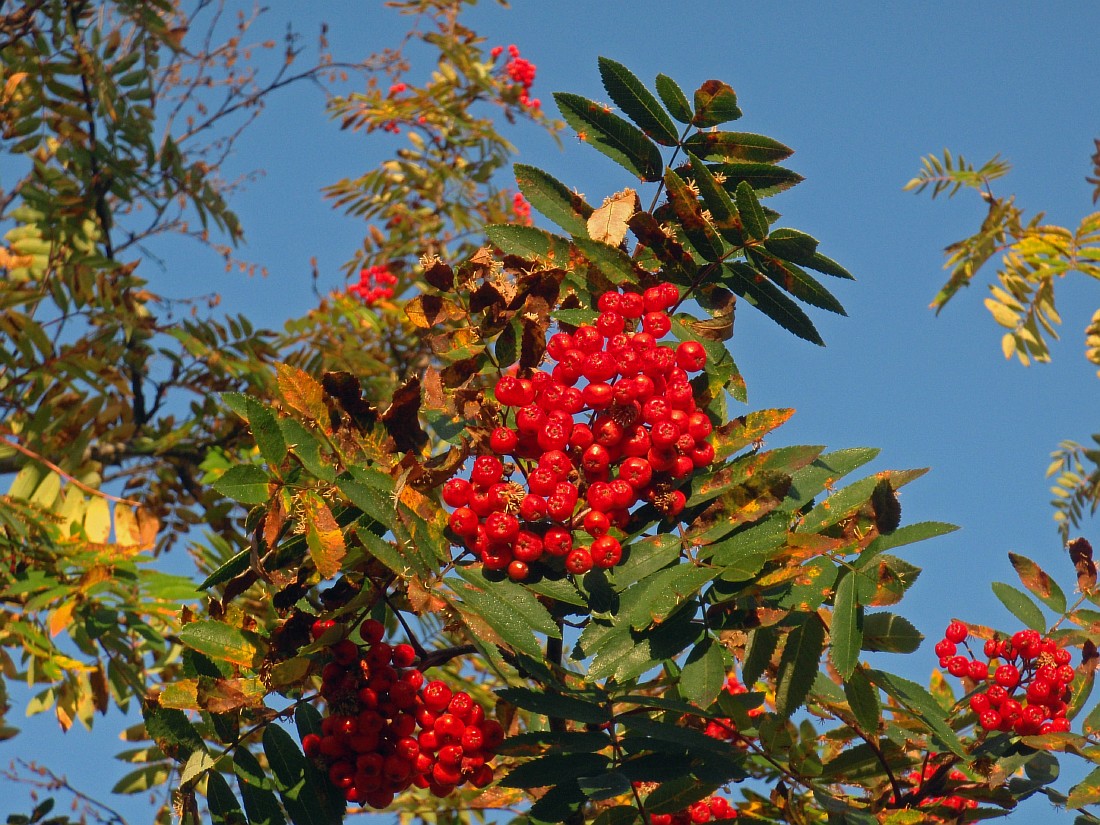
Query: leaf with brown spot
[346, 389]
[323, 536]
[302, 393]
[401, 418]
[433, 396]
[668, 250]
[224, 695]
[608, 223]
[747, 429]
[425, 311]
[439, 468]
[1041, 585]
[441, 276]
[1080, 553]
[747, 502]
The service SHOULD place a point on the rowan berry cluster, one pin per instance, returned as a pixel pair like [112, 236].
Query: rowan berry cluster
[522, 209]
[375, 284]
[725, 728]
[711, 809]
[521, 72]
[952, 801]
[1028, 678]
[369, 745]
[586, 455]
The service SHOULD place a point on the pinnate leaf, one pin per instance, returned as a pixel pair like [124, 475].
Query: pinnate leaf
[551, 197]
[244, 483]
[674, 98]
[1041, 585]
[764, 296]
[608, 133]
[799, 663]
[846, 632]
[637, 102]
[715, 103]
[1020, 606]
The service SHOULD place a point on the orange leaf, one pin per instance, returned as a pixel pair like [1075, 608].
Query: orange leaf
[62, 617]
[302, 393]
[324, 537]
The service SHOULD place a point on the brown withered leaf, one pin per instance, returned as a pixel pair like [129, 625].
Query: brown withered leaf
[439, 468]
[649, 233]
[401, 418]
[533, 343]
[608, 223]
[97, 680]
[422, 599]
[460, 372]
[432, 388]
[747, 429]
[488, 297]
[1080, 553]
[886, 506]
[346, 389]
[425, 311]
[1090, 657]
[274, 519]
[440, 275]
[540, 290]
[302, 393]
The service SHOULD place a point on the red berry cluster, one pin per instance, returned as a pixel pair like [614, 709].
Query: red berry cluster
[725, 728]
[520, 71]
[711, 809]
[641, 433]
[522, 209]
[369, 744]
[1029, 680]
[375, 283]
[953, 801]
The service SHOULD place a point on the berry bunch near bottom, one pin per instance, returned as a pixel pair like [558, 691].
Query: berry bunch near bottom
[712, 809]
[388, 729]
[614, 423]
[1024, 682]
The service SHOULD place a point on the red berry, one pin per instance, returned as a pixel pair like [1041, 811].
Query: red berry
[503, 441]
[436, 695]
[1007, 676]
[956, 632]
[606, 552]
[579, 561]
[691, 356]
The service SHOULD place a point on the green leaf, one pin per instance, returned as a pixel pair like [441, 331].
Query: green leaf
[1020, 606]
[674, 98]
[846, 633]
[172, 731]
[555, 768]
[798, 282]
[1085, 792]
[764, 296]
[889, 633]
[828, 266]
[909, 534]
[306, 446]
[735, 146]
[559, 803]
[537, 741]
[551, 198]
[715, 103]
[264, 424]
[637, 102]
[220, 642]
[245, 483]
[224, 808]
[763, 178]
[558, 705]
[301, 793]
[512, 629]
[791, 245]
[799, 663]
[863, 699]
[608, 133]
[758, 653]
[653, 600]
[235, 565]
[517, 598]
[523, 241]
[677, 795]
[610, 260]
[259, 800]
[617, 815]
[645, 557]
[922, 704]
[723, 211]
[704, 673]
[143, 779]
[198, 763]
[690, 217]
[1041, 585]
[753, 220]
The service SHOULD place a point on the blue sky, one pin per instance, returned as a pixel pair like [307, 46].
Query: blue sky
[861, 91]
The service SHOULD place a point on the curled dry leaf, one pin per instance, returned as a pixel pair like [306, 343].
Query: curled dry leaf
[608, 224]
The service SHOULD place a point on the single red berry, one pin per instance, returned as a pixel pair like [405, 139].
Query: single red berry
[691, 356]
[503, 441]
[579, 561]
[402, 655]
[956, 632]
[978, 671]
[606, 552]
[631, 305]
[456, 492]
[1008, 676]
[436, 695]
[487, 470]
[517, 570]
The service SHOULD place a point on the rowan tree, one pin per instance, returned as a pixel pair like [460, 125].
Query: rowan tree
[491, 528]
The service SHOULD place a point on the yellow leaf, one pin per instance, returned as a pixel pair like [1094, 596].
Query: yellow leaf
[62, 617]
[135, 528]
[10, 86]
[608, 223]
[323, 536]
[181, 694]
[302, 393]
[97, 521]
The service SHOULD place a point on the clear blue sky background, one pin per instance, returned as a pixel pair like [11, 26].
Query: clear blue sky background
[861, 91]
